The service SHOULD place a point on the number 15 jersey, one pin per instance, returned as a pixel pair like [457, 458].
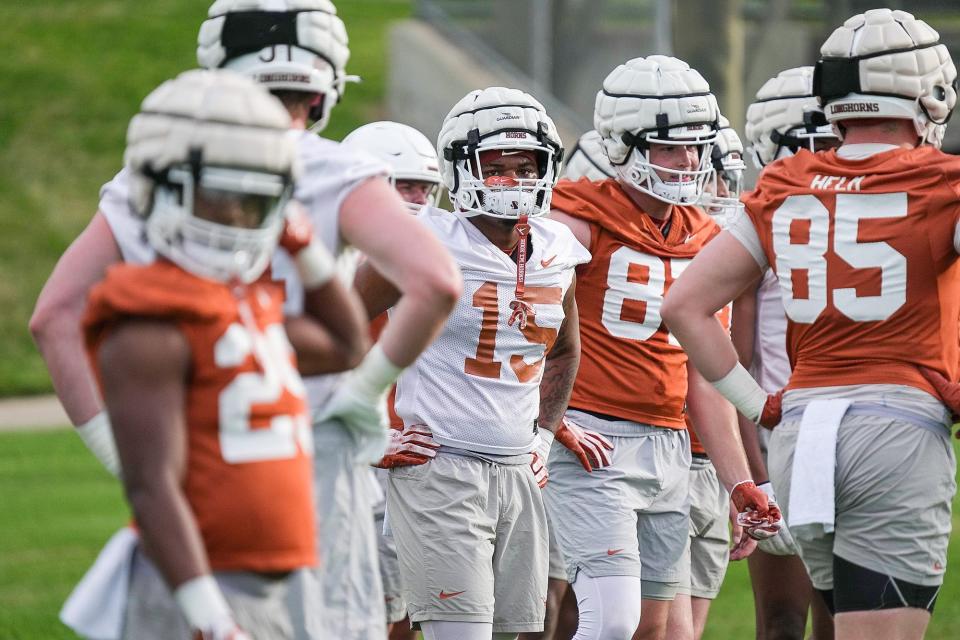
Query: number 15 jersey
[477, 385]
[630, 365]
[863, 246]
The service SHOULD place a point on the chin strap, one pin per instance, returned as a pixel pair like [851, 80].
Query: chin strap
[521, 309]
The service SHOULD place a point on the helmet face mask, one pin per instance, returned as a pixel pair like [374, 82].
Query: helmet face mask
[671, 185]
[510, 122]
[721, 199]
[224, 226]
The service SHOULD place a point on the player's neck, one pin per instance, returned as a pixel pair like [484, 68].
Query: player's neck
[657, 209]
[899, 133]
[502, 233]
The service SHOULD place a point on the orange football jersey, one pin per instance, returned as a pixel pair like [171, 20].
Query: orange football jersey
[630, 366]
[864, 253]
[248, 478]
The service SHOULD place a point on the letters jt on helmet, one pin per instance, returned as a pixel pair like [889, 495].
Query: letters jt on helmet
[786, 117]
[408, 153]
[887, 64]
[505, 119]
[657, 100]
[212, 167]
[588, 160]
[728, 167]
[288, 45]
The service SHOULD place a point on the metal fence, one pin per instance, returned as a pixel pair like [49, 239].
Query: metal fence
[562, 49]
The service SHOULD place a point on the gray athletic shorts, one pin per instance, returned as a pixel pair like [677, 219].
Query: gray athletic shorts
[259, 604]
[352, 604]
[894, 485]
[628, 519]
[471, 536]
[708, 546]
[557, 569]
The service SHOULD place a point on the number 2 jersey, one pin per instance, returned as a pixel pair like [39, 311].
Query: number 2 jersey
[477, 385]
[862, 240]
[248, 475]
[631, 368]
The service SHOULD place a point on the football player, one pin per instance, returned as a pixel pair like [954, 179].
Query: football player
[658, 122]
[469, 523]
[298, 50]
[863, 240]
[207, 408]
[785, 118]
[415, 174]
[704, 561]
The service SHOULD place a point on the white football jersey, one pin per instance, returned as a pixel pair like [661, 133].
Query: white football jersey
[770, 367]
[477, 386]
[330, 172]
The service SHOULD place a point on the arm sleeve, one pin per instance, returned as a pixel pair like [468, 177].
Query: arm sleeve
[127, 227]
[746, 234]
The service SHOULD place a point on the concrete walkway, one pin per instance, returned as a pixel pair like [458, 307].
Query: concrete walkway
[32, 413]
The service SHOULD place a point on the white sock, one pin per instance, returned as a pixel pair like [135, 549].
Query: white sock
[609, 607]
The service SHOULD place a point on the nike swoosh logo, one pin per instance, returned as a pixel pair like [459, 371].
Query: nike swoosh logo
[613, 552]
[546, 263]
[444, 595]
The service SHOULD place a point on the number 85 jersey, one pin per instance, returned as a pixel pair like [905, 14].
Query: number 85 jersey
[477, 385]
[631, 367]
[863, 246]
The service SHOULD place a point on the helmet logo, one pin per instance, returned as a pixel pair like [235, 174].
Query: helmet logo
[854, 107]
[505, 115]
[519, 135]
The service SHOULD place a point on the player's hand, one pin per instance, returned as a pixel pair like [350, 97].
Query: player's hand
[590, 447]
[539, 469]
[949, 392]
[412, 446]
[781, 544]
[741, 545]
[758, 517]
[297, 230]
[772, 409]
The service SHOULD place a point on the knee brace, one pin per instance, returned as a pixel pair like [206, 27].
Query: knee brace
[857, 588]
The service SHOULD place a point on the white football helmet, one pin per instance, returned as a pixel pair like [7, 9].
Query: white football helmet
[887, 64]
[212, 166]
[505, 119]
[785, 117]
[728, 167]
[588, 160]
[658, 100]
[290, 45]
[408, 153]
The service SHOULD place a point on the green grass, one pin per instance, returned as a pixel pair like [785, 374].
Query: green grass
[59, 507]
[72, 74]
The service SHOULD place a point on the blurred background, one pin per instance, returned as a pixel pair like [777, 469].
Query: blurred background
[73, 72]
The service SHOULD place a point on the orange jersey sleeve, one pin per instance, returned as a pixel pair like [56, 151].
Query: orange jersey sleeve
[248, 478]
[864, 253]
[630, 366]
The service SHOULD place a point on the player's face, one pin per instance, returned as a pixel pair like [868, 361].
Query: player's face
[519, 165]
[414, 191]
[679, 157]
[242, 210]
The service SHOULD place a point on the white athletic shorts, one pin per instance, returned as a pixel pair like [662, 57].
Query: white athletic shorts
[708, 547]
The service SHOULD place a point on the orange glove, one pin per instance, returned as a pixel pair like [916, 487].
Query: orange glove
[539, 469]
[758, 517]
[772, 408]
[412, 446]
[589, 446]
[297, 230]
[949, 392]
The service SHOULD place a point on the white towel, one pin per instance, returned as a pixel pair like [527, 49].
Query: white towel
[95, 607]
[812, 499]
